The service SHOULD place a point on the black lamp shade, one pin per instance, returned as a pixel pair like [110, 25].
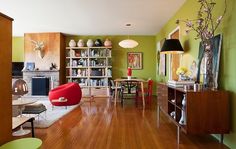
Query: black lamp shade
[172, 46]
[19, 87]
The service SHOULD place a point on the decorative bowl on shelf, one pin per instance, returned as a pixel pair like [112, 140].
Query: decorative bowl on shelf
[72, 43]
[89, 43]
[80, 43]
[107, 43]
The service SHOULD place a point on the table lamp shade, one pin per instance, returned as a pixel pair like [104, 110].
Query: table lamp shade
[172, 46]
[19, 87]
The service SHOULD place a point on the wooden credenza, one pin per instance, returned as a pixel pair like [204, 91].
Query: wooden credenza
[207, 111]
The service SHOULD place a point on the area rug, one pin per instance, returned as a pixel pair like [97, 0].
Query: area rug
[47, 118]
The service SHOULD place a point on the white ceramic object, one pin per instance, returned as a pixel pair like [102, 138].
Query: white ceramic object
[72, 43]
[182, 120]
[90, 43]
[107, 43]
[80, 43]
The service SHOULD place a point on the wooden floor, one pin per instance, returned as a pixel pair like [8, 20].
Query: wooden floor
[100, 125]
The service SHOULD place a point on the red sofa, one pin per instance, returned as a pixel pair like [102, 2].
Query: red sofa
[70, 91]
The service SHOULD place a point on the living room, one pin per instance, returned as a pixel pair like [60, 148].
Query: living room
[108, 121]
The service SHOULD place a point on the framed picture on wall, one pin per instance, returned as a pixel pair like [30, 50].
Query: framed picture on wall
[30, 66]
[135, 60]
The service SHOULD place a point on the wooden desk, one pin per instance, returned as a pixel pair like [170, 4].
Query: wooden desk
[18, 121]
[117, 81]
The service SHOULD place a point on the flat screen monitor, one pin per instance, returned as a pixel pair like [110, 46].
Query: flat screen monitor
[17, 68]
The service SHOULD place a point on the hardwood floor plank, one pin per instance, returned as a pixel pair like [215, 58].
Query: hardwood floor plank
[100, 125]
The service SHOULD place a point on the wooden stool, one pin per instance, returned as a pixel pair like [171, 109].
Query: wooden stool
[29, 143]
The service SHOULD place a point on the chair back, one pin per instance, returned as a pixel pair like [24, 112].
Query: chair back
[150, 86]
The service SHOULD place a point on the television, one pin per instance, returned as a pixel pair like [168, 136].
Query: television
[17, 69]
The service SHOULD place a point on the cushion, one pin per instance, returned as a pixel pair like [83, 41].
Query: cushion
[34, 109]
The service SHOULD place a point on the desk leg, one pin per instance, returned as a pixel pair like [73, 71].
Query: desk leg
[32, 127]
[143, 94]
[115, 93]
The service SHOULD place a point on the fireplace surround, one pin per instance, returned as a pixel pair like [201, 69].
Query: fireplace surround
[51, 75]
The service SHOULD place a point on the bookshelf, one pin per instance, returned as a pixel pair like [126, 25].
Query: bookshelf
[91, 68]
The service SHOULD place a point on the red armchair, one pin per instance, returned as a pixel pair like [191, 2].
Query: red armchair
[70, 91]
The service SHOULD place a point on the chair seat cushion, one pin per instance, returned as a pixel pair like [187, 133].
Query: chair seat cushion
[34, 109]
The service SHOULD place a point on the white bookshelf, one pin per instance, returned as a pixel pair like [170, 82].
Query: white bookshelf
[91, 67]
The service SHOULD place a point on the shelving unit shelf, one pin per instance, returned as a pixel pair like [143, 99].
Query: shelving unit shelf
[91, 67]
[206, 111]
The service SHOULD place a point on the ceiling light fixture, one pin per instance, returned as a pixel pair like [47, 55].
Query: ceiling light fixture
[128, 43]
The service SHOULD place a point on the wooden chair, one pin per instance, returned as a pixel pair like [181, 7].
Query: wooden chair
[147, 92]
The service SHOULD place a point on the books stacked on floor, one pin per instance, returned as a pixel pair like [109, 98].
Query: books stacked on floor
[180, 83]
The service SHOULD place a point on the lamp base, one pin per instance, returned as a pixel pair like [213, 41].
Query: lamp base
[21, 132]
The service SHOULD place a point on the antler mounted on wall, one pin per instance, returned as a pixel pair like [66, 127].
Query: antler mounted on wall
[38, 46]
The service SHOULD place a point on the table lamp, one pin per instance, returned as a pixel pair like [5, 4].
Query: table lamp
[19, 88]
[172, 46]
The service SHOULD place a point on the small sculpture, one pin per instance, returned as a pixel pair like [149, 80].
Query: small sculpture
[38, 46]
[182, 120]
[53, 66]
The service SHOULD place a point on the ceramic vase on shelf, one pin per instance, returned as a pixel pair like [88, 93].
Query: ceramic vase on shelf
[89, 43]
[98, 43]
[129, 73]
[80, 43]
[72, 43]
[182, 120]
[107, 43]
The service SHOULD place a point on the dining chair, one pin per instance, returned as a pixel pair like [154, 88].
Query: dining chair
[147, 92]
[113, 88]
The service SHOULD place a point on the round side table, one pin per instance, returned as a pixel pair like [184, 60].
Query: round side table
[29, 143]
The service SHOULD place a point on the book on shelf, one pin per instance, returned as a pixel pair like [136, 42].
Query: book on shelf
[180, 83]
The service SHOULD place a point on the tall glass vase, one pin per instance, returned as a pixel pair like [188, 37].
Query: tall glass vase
[208, 77]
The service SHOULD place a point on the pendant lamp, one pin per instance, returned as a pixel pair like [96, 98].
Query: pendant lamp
[128, 43]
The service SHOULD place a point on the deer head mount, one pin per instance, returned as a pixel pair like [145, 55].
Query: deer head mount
[38, 46]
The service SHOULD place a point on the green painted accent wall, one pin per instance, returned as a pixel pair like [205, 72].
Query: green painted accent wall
[227, 77]
[119, 55]
[18, 49]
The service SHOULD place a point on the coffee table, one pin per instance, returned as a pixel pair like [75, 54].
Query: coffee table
[59, 101]
[21, 104]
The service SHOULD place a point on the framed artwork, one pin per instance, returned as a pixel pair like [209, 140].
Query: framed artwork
[30, 66]
[135, 60]
[217, 44]
[161, 59]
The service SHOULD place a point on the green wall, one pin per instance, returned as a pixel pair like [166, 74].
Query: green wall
[119, 55]
[227, 77]
[18, 49]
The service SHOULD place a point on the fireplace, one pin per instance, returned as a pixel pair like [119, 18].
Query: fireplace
[40, 86]
[40, 80]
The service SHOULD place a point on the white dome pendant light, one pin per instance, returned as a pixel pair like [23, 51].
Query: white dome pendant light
[128, 43]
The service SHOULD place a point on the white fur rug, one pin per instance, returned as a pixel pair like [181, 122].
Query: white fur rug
[47, 118]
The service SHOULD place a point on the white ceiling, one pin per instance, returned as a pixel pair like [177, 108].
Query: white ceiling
[89, 17]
